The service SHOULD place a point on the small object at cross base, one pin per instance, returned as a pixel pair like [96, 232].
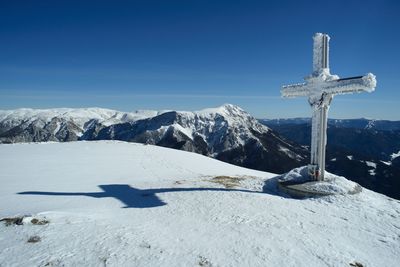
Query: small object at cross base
[320, 87]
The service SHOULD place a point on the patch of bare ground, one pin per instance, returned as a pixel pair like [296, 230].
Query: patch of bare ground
[13, 221]
[34, 239]
[227, 181]
[19, 220]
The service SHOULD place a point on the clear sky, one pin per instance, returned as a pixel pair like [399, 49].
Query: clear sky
[188, 55]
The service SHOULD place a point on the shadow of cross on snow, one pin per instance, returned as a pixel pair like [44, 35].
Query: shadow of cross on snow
[130, 196]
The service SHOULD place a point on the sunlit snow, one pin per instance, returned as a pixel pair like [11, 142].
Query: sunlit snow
[123, 204]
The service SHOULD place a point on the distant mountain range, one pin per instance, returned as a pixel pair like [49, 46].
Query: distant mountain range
[366, 151]
[63, 124]
[227, 133]
[362, 123]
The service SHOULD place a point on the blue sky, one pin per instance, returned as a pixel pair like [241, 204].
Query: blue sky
[188, 55]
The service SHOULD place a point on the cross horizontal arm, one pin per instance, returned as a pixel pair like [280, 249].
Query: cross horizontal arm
[358, 84]
[295, 90]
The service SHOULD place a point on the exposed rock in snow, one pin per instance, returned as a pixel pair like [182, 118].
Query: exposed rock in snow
[124, 204]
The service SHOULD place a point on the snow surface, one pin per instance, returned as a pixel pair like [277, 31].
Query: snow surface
[112, 203]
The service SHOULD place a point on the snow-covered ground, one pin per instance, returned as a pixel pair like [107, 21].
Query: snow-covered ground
[123, 204]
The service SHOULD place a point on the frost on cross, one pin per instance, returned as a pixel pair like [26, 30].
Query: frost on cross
[320, 87]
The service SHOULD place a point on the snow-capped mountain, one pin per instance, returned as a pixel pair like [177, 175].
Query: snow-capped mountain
[208, 131]
[227, 133]
[61, 124]
[111, 203]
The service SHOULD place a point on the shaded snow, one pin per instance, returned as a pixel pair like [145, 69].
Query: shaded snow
[289, 153]
[371, 164]
[386, 162]
[187, 131]
[124, 204]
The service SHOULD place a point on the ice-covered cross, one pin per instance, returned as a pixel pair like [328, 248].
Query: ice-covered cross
[320, 87]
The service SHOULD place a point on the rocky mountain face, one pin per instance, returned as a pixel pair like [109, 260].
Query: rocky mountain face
[356, 149]
[56, 129]
[227, 133]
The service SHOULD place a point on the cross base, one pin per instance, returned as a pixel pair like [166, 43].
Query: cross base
[297, 184]
[314, 172]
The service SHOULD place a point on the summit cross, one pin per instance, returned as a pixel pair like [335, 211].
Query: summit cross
[320, 87]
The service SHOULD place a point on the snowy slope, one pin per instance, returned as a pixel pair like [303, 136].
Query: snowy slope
[123, 204]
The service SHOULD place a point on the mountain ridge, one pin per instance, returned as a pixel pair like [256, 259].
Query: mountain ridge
[360, 123]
